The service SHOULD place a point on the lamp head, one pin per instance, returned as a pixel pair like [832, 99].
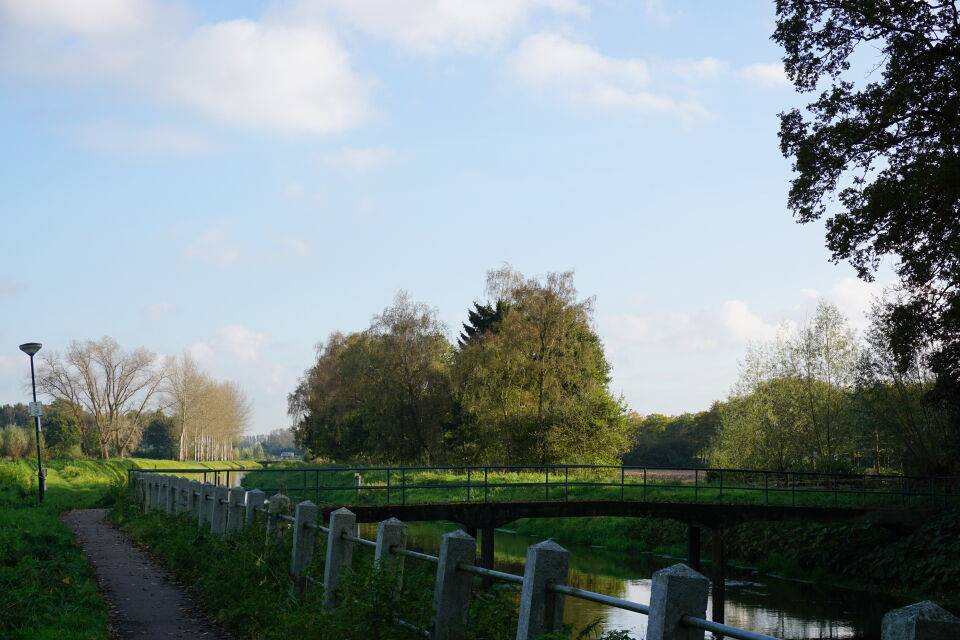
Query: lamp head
[30, 348]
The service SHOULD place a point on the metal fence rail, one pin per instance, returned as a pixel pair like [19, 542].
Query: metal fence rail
[400, 485]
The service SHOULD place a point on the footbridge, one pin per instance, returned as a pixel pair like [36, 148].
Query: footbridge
[483, 498]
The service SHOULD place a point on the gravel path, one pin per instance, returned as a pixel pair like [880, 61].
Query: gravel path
[145, 601]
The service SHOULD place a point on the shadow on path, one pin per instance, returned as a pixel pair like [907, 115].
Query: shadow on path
[145, 601]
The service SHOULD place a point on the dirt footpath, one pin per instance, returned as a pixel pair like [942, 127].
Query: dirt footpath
[144, 599]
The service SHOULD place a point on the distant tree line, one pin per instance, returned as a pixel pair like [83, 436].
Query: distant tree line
[527, 382]
[268, 445]
[110, 402]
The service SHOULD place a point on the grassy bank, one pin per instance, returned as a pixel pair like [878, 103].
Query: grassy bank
[49, 590]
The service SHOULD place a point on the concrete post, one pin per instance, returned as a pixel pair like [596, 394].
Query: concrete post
[203, 508]
[339, 553]
[391, 536]
[451, 594]
[304, 536]
[236, 507]
[541, 611]
[142, 489]
[254, 499]
[152, 499]
[183, 496]
[676, 591]
[169, 493]
[218, 511]
[277, 504]
[156, 503]
[921, 621]
[193, 497]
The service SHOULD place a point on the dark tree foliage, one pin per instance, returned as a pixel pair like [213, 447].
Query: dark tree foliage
[878, 151]
[159, 438]
[15, 414]
[483, 318]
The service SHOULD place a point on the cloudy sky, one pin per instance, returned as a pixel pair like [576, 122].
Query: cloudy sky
[238, 179]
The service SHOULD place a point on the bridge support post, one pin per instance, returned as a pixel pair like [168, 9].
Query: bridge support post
[391, 537]
[676, 591]
[541, 611]
[167, 494]
[183, 495]
[304, 536]
[693, 547]
[235, 508]
[921, 621]
[451, 596]
[486, 554]
[718, 577]
[339, 553]
[255, 499]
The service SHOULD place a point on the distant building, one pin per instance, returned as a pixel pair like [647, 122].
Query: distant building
[288, 455]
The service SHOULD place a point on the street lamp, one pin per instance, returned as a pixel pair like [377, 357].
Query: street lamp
[31, 348]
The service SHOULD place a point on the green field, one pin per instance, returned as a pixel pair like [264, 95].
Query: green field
[49, 590]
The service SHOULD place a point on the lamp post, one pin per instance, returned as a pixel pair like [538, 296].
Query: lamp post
[31, 348]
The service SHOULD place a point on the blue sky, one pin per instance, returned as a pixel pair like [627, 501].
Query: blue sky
[238, 180]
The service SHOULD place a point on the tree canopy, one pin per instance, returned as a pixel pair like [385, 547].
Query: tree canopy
[878, 152]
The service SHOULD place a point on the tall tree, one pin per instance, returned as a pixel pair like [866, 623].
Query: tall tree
[536, 389]
[115, 388]
[878, 152]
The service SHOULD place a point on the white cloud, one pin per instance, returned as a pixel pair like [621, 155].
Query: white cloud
[291, 244]
[695, 70]
[656, 13]
[767, 75]
[585, 77]
[278, 73]
[127, 140]
[201, 351]
[810, 293]
[434, 25]
[159, 311]
[739, 324]
[854, 297]
[213, 245]
[8, 287]
[241, 342]
[361, 159]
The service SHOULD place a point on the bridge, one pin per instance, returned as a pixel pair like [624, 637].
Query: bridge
[483, 498]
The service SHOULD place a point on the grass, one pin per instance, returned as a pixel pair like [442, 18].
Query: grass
[48, 589]
[436, 485]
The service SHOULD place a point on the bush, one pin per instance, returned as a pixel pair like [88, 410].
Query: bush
[15, 442]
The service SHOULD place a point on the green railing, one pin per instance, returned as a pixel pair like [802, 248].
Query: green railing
[499, 483]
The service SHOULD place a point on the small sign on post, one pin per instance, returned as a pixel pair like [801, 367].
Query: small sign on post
[35, 409]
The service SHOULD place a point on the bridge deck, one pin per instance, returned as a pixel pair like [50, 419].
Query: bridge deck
[495, 514]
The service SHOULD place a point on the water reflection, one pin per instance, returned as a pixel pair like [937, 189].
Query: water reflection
[782, 608]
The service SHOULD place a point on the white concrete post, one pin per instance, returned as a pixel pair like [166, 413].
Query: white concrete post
[277, 504]
[676, 591]
[451, 595]
[193, 497]
[183, 495]
[541, 611]
[391, 536]
[339, 553]
[236, 507]
[218, 514]
[254, 499]
[921, 621]
[152, 489]
[168, 488]
[203, 507]
[304, 536]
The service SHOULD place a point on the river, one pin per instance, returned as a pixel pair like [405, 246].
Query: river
[783, 608]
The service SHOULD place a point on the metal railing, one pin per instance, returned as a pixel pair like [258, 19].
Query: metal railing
[415, 484]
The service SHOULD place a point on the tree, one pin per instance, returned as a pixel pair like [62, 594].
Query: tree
[115, 388]
[62, 433]
[899, 426]
[159, 437]
[790, 407]
[535, 389]
[383, 394]
[886, 150]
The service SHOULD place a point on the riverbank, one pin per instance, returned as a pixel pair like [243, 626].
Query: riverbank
[919, 565]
